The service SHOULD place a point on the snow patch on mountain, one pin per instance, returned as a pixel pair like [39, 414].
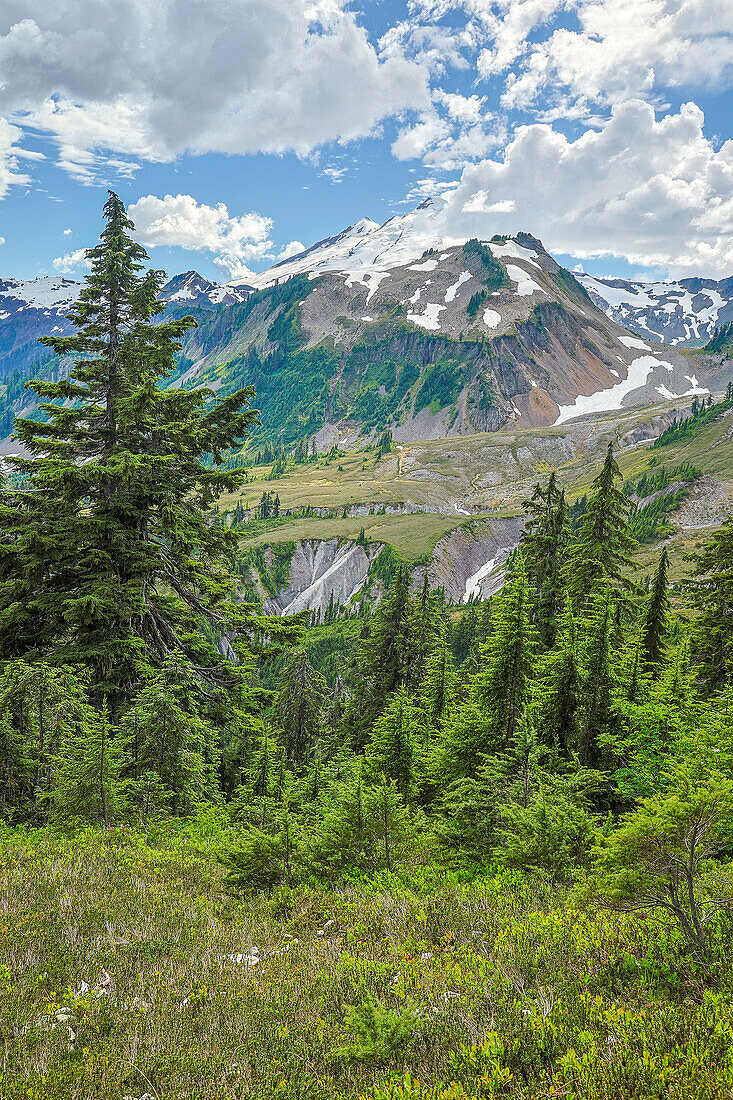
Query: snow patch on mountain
[455, 287]
[369, 249]
[611, 398]
[525, 285]
[676, 312]
[515, 252]
[428, 319]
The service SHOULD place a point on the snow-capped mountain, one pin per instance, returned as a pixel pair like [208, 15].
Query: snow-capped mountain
[37, 307]
[193, 291]
[367, 250]
[401, 327]
[686, 312]
[28, 309]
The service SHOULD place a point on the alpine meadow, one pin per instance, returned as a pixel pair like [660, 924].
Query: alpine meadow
[366, 604]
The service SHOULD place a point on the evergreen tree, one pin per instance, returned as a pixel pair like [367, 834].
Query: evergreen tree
[712, 595]
[597, 713]
[655, 626]
[397, 737]
[88, 783]
[544, 541]
[172, 753]
[41, 708]
[386, 657]
[502, 685]
[117, 566]
[559, 687]
[603, 545]
[439, 686]
[300, 704]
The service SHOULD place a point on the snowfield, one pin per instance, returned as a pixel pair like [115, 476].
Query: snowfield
[525, 285]
[612, 398]
[428, 319]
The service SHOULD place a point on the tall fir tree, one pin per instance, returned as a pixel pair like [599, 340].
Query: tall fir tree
[439, 687]
[559, 688]
[300, 705]
[117, 566]
[544, 540]
[711, 590]
[597, 702]
[602, 547]
[397, 741]
[386, 659]
[88, 780]
[655, 624]
[502, 684]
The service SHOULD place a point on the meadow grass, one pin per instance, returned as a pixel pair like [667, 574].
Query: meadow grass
[126, 972]
[411, 534]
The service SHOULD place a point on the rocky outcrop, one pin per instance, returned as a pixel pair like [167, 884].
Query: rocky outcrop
[321, 572]
[468, 562]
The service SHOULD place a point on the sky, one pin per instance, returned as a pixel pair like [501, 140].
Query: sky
[237, 131]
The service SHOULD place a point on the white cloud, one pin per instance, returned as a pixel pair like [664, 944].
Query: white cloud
[335, 174]
[455, 131]
[655, 192]
[2, 241]
[71, 262]
[569, 57]
[146, 80]
[291, 249]
[10, 153]
[180, 221]
[67, 232]
[628, 48]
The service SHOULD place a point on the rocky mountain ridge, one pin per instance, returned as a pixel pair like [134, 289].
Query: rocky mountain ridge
[394, 327]
[686, 312]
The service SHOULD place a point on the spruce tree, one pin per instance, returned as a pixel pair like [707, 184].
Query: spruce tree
[655, 626]
[603, 545]
[711, 591]
[502, 685]
[300, 705]
[544, 541]
[116, 565]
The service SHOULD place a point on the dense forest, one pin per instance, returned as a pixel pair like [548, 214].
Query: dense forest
[575, 727]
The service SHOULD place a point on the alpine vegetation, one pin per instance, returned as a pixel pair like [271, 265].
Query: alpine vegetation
[420, 850]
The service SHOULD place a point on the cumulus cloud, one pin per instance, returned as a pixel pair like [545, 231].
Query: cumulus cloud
[71, 262]
[237, 76]
[654, 191]
[291, 249]
[628, 48]
[455, 131]
[67, 232]
[180, 221]
[569, 57]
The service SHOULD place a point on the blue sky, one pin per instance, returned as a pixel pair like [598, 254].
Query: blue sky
[235, 129]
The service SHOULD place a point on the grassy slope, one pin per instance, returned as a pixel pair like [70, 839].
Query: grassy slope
[516, 992]
[438, 473]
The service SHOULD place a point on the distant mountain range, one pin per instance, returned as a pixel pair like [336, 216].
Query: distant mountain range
[685, 312]
[399, 327]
